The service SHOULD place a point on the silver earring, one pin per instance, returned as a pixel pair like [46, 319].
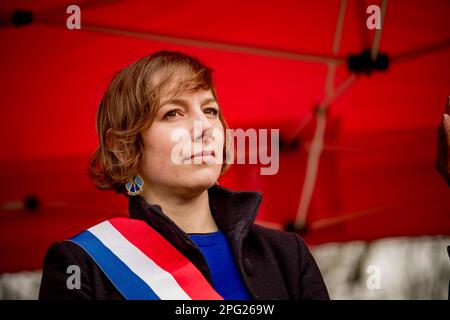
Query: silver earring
[134, 186]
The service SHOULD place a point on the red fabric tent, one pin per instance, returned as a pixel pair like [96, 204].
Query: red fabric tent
[375, 176]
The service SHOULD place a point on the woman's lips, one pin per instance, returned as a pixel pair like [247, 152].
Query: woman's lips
[203, 154]
[206, 156]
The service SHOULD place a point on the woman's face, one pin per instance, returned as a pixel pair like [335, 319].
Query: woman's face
[185, 125]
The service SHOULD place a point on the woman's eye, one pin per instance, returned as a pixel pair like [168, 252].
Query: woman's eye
[212, 111]
[171, 114]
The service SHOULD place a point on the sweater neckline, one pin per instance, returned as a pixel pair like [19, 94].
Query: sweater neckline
[207, 239]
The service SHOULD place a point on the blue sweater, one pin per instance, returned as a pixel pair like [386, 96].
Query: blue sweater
[225, 274]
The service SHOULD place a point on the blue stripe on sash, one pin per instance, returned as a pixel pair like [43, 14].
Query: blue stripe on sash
[131, 286]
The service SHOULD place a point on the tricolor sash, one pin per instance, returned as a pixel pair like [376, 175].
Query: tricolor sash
[141, 263]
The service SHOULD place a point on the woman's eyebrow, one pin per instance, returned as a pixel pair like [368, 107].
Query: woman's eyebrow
[208, 101]
[184, 103]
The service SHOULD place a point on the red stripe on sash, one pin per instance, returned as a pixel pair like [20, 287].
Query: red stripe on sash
[165, 255]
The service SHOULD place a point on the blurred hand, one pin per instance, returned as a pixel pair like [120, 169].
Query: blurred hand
[443, 145]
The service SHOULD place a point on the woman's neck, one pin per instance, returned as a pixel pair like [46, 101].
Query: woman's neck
[192, 214]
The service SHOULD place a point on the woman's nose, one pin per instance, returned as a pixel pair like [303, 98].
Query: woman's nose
[201, 128]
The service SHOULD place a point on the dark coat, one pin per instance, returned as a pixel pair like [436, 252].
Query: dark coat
[274, 264]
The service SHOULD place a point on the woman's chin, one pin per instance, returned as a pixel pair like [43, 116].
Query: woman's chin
[201, 180]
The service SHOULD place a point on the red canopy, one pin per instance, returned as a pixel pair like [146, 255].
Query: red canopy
[375, 173]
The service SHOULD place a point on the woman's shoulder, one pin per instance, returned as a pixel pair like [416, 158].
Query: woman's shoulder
[285, 241]
[64, 263]
[62, 259]
[65, 251]
[285, 245]
[291, 254]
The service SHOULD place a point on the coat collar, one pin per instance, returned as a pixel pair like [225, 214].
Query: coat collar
[231, 210]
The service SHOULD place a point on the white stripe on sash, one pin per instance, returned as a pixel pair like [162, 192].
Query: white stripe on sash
[161, 281]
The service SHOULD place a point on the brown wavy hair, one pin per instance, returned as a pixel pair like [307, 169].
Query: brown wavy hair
[129, 106]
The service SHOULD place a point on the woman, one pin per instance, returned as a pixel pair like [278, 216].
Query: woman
[187, 237]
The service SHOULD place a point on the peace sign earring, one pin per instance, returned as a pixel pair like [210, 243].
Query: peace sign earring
[134, 186]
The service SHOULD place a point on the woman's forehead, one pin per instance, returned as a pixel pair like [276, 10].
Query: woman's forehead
[200, 95]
